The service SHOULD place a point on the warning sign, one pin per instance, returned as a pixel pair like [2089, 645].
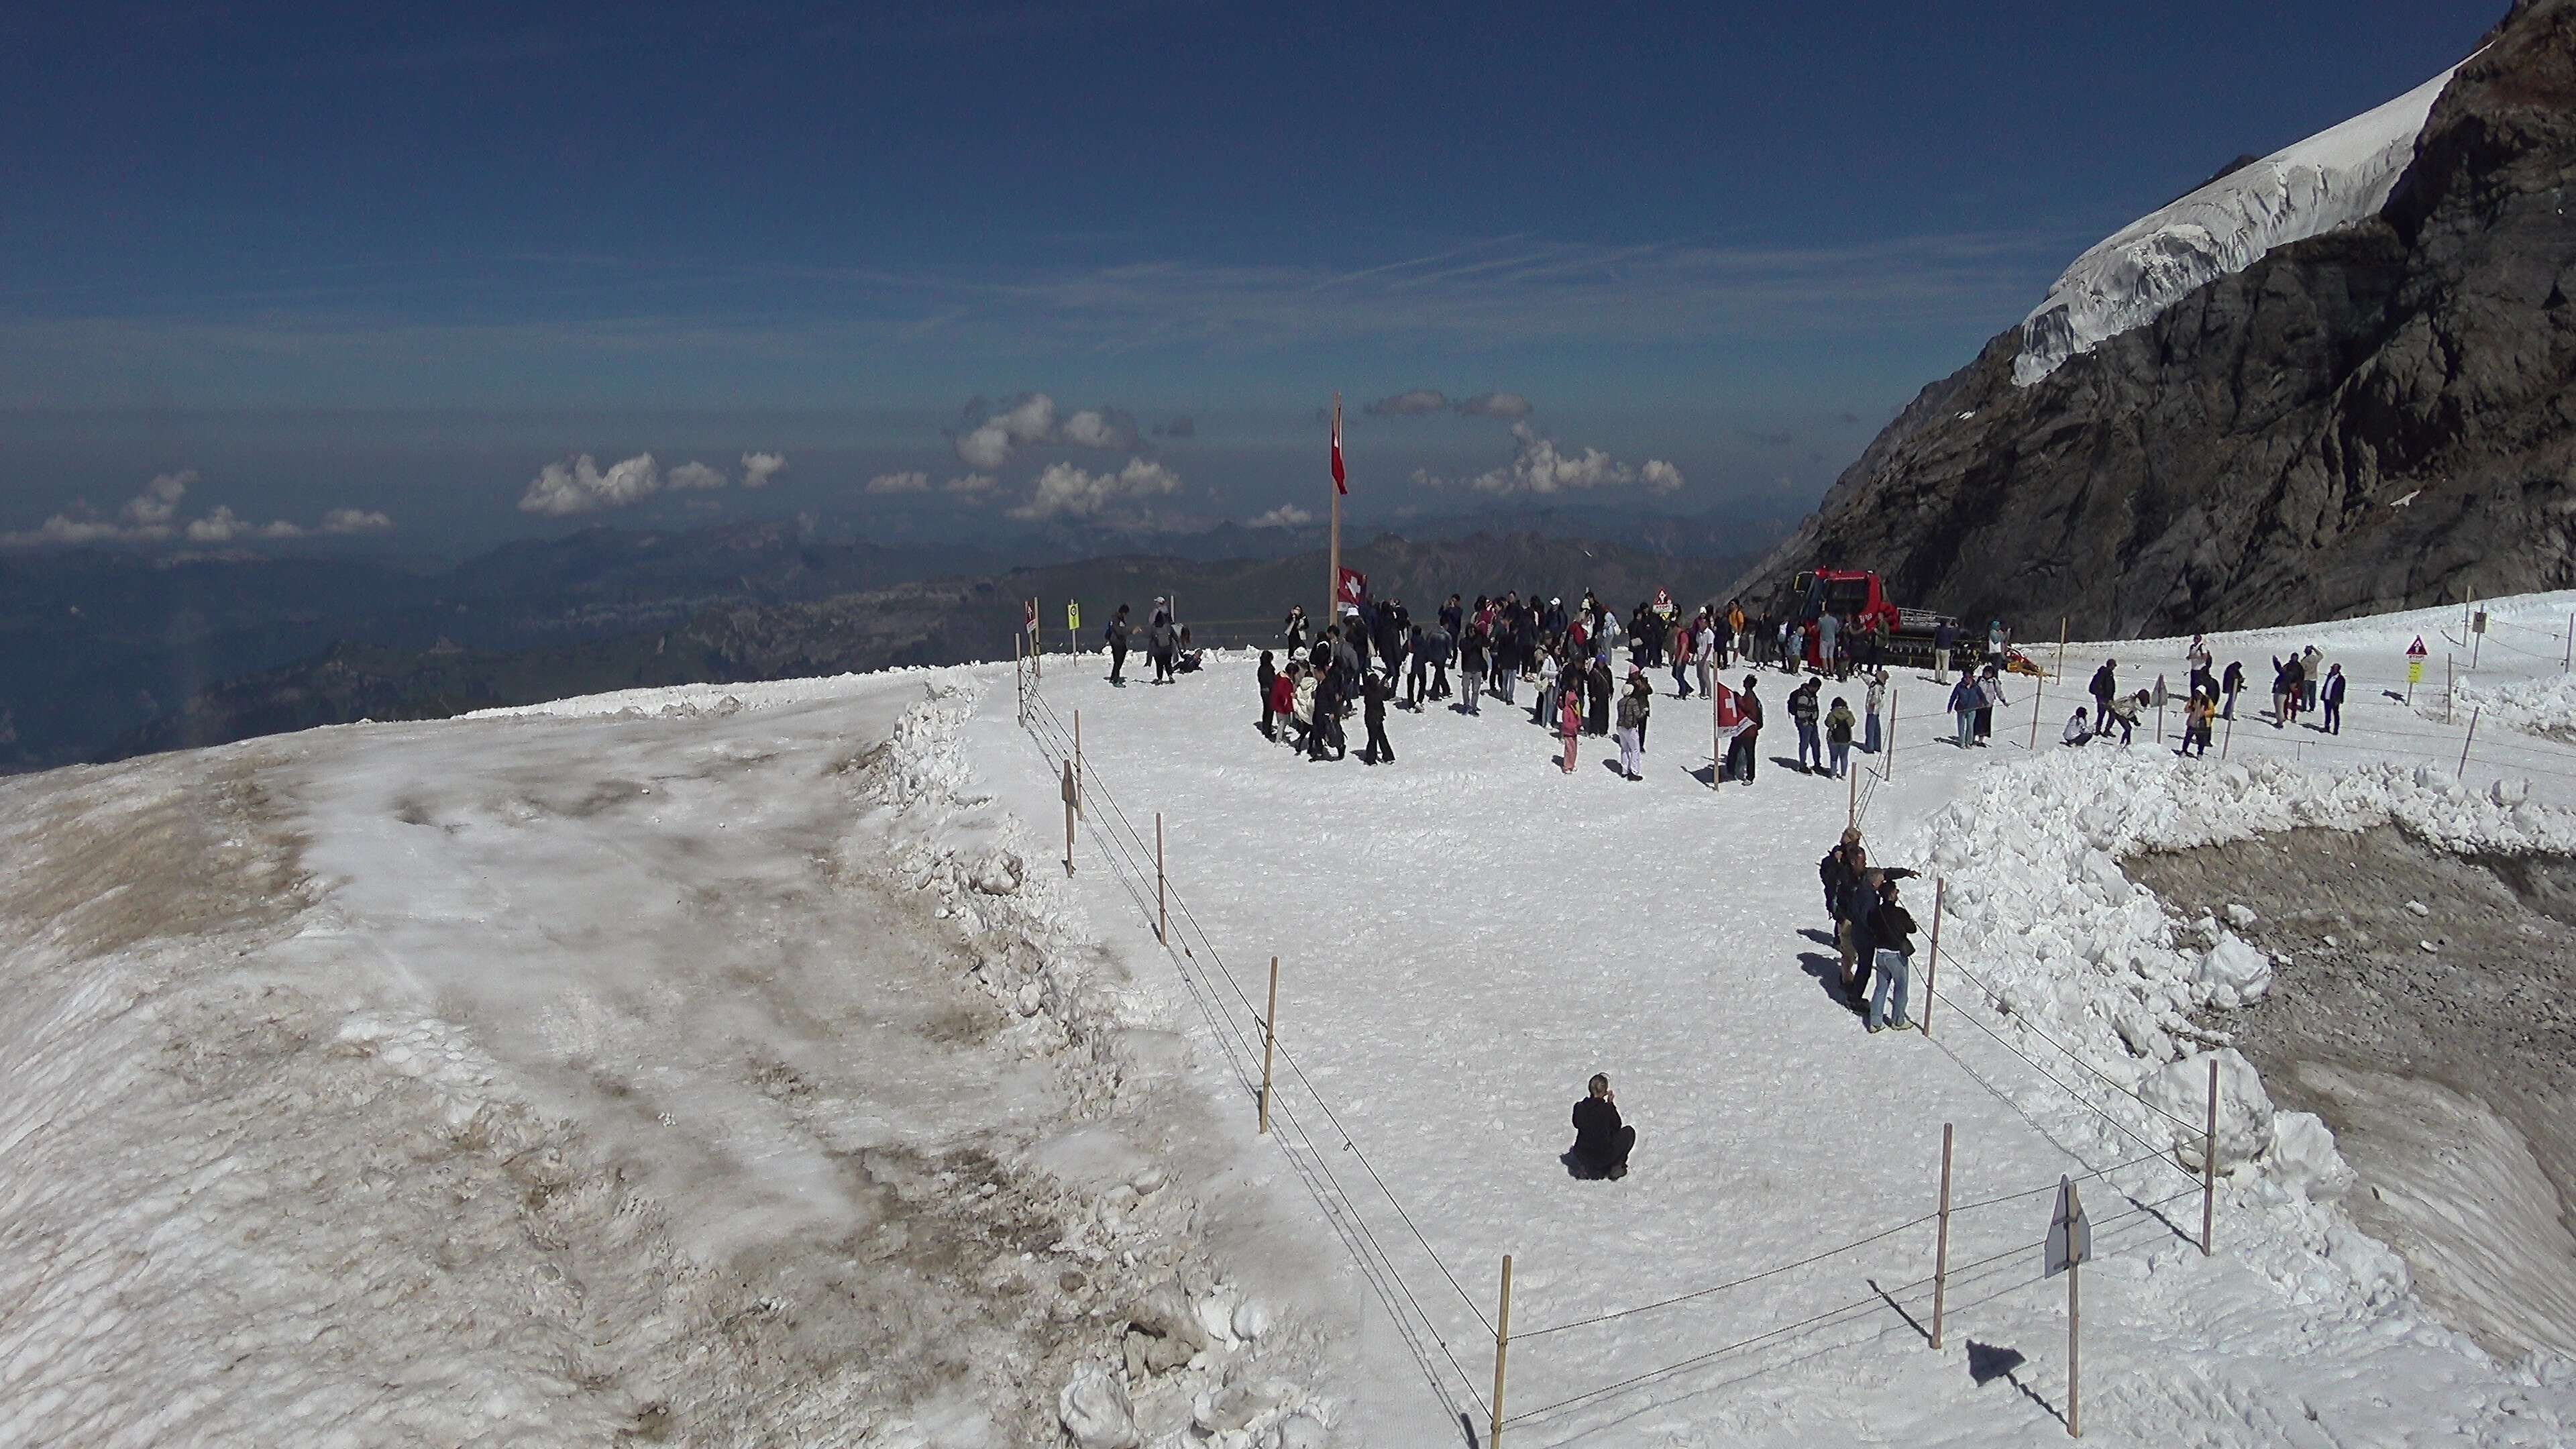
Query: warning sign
[2417, 650]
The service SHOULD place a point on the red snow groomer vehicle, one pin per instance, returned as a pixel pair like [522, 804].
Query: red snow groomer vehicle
[1858, 598]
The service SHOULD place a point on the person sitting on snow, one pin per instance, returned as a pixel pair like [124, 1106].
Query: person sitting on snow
[2078, 730]
[1601, 1143]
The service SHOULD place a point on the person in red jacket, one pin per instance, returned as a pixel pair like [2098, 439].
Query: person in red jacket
[1569, 723]
[1283, 696]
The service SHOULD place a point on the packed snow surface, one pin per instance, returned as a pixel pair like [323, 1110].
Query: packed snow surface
[2328, 181]
[590, 1073]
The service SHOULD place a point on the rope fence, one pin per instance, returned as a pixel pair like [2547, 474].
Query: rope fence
[1251, 1032]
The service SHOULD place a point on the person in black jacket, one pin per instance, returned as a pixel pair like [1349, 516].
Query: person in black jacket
[1117, 638]
[1266, 675]
[1373, 695]
[1891, 932]
[1601, 1143]
[2105, 685]
[2331, 692]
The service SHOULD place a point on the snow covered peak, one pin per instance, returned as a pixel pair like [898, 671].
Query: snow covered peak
[2331, 180]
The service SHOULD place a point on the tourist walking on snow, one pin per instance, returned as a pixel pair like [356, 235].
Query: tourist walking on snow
[1373, 697]
[1116, 637]
[1945, 637]
[1838, 736]
[2196, 721]
[2124, 712]
[1569, 721]
[2312, 673]
[1471, 668]
[1602, 1143]
[1283, 697]
[1740, 750]
[1891, 934]
[1990, 695]
[1804, 713]
[1964, 697]
[2105, 685]
[1633, 708]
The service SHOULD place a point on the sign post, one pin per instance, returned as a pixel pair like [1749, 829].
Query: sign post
[2415, 654]
[1073, 624]
[2070, 1245]
[2477, 636]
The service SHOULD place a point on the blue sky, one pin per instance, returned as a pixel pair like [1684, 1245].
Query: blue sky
[326, 259]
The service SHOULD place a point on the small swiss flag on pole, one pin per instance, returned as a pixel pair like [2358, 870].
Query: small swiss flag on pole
[1341, 480]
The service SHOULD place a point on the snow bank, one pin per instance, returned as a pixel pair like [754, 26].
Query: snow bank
[2544, 706]
[2327, 182]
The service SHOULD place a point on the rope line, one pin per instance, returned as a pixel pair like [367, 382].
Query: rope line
[2126, 1091]
[1722, 1287]
[1380, 1271]
[2079, 1098]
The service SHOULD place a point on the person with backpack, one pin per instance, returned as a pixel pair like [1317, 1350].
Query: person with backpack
[1374, 693]
[1115, 635]
[2105, 685]
[1633, 708]
[1266, 677]
[1740, 748]
[1891, 935]
[1838, 737]
[1602, 1143]
[1804, 714]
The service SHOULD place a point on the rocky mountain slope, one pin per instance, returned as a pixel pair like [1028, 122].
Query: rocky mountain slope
[2371, 418]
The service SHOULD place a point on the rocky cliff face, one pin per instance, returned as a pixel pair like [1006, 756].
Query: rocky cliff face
[2377, 418]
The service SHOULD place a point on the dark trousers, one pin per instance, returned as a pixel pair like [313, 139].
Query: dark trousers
[1599, 1163]
[1413, 685]
[2334, 716]
[2101, 713]
[1117, 662]
[1162, 666]
[1378, 749]
[1739, 758]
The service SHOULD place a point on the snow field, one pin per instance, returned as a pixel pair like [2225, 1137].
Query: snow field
[1468, 934]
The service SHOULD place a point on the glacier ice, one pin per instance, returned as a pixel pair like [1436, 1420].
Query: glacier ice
[2332, 179]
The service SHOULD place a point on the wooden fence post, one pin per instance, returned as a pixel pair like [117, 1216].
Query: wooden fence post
[2568, 664]
[2230, 742]
[2209, 1164]
[1269, 1043]
[1941, 1249]
[1889, 772]
[1162, 916]
[1932, 966]
[1037, 638]
[1077, 762]
[2074, 1318]
[2471, 739]
[1851, 811]
[1020, 674]
[1502, 1342]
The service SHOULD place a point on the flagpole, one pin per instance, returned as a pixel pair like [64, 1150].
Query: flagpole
[1333, 564]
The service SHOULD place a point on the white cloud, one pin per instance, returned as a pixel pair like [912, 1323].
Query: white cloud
[222, 526]
[1539, 466]
[908, 482]
[1064, 490]
[995, 437]
[152, 516]
[356, 520]
[578, 486]
[1286, 515]
[970, 484]
[1495, 405]
[990, 443]
[1106, 429]
[158, 503]
[695, 475]
[1410, 404]
[759, 468]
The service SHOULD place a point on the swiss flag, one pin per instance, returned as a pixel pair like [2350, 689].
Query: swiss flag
[1341, 480]
[1729, 714]
[1354, 588]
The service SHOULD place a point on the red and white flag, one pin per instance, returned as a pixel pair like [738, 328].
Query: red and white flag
[1353, 590]
[1341, 480]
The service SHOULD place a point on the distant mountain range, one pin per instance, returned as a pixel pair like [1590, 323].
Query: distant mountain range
[111, 655]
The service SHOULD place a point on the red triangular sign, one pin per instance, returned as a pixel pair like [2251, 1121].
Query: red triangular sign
[2417, 650]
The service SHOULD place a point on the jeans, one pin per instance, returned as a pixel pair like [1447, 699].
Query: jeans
[1470, 683]
[1871, 739]
[1811, 747]
[2334, 716]
[1503, 684]
[1840, 752]
[1967, 727]
[1681, 678]
[1894, 968]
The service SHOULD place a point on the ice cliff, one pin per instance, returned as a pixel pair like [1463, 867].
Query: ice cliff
[2328, 181]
